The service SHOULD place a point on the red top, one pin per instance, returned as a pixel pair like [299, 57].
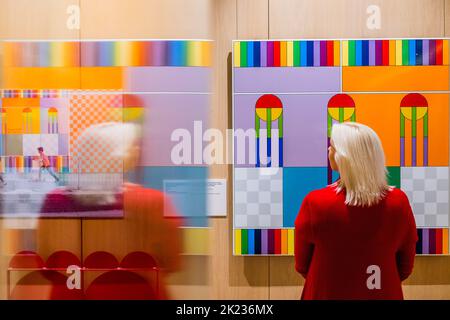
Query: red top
[335, 244]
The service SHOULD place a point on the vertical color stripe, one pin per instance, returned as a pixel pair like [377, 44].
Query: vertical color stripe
[432, 240]
[419, 52]
[445, 241]
[277, 241]
[237, 242]
[439, 49]
[303, 53]
[264, 241]
[243, 54]
[276, 53]
[256, 54]
[351, 53]
[330, 53]
[405, 52]
[316, 60]
[310, 53]
[398, 52]
[365, 53]
[337, 50]
[257, 241]
[323, 53]
[372, 53]
[432, 52]
[358, 52]
[263, 50]
[283, 53]
[270, 54]
[291, 241]
[290, 53]
[438, 241]
[250, 54]
[284, 241]
[425, 241]
[345, 53]
[412, 52]
[385, 50]
[378, 52]
[251, 241]
[271, 241]
[392, 52]
[296, 53]
[244, 241]
[445, 52]
[425, 52]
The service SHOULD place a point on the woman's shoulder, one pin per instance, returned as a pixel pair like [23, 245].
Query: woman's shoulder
[323, 194]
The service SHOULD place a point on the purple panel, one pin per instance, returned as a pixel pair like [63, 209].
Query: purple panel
[425, 241]
[159, 53]
[270, 53]
[63, 144]
[372, 53]
[263, 48]
[253, 80]
[425, 52]
[304, 131]
[88, 54]
[164, 113]
[316, 53]
[62, 104]
[163, 79]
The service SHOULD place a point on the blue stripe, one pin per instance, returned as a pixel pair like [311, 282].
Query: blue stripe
[251, 241]
[106, 53]
[175, 49]
[310, 53]
[280, 146]
[358, 46]
[412, 52]
[365, 53]
[256, 54]
[419, 53]
[250, 54]
[303, 51]
[44, 54]
[269, 151]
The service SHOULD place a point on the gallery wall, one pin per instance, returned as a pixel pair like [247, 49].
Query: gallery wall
[220, 275]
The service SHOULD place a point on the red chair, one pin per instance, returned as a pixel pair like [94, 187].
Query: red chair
[120, 285]
[101, 260]
[62, 259]
[44, 285]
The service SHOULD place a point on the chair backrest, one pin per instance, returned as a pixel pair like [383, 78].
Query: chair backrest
[138, 259]
[101, 260]
[26, 259]
[44, 285]
[120, 285]
[62, 259]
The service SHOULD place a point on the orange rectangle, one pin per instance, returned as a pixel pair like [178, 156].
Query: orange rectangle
[445, 241]
[395, 78]
[41, 78]
[110, 78]
[20, 102]
[284, 241]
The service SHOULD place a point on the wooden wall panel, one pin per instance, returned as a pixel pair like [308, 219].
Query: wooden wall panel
[31, 19]
[252, 19]
[144, 19]
[347, 18]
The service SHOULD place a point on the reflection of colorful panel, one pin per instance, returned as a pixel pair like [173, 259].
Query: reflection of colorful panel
[414, 108]
[268, 109]
[263, 241]
[341, 108]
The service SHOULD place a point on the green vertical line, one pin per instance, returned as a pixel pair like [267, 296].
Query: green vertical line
[330, 123]
[244, 241]
[414, 121]
[341, 115]
[296, 53]
[243, 54]
[351, 53]
[353, 117]
[405, 52]
[269, 122]
[257, 124]
[425, 125]
[402, 125]
[280, 125]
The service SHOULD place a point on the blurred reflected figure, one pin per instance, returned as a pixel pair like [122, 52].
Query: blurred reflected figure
[139, 239]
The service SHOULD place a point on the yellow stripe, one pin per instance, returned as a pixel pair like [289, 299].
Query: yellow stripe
[398, 52]
[445, 241]
[194, 53]
[345, 53]
[206, 53]
[291, 241]
[237, 242]
[337, 49]
[283, 54]
[237, 54]
[284, 241]
[392, 52]
[445, 53]
[290, 53]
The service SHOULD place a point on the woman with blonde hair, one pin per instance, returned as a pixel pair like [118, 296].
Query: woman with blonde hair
[355, 238]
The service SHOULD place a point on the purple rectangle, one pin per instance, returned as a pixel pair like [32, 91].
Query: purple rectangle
[270, 54]
[312, 79]
[323, 53]
[432, 52]
[316, 53]
[168, 118]
[264, 241]
[425, 241]
[378, 52]
[159, 53]
[425, 52]
[372, 53]
[163, 79]
[263, 50]
[88, 54]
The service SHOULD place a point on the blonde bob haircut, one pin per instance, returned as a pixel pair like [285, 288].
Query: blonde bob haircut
[360, 159]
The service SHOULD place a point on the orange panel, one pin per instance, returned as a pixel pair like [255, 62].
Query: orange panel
[386, 122]
[41, 78]
[396, 78]
[111, 78]
[20, 102]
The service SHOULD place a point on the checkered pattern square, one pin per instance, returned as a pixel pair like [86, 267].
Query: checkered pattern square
[427, 189]
[87, 110]
[258, 197]
[30, 144]
[50, 144]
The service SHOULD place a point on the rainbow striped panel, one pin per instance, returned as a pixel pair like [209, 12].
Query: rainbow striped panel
[406, 52]
[27, 93]
[264, 242]
[24, 164]
[432, 241]
[176, 53]
[301, 53]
